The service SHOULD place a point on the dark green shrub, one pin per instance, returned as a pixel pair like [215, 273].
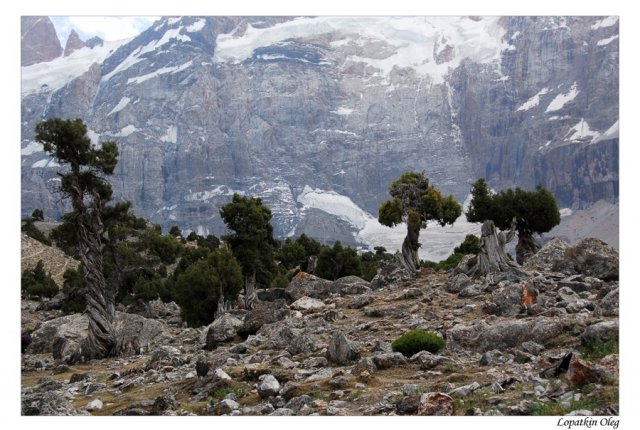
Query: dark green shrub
[175, 231]
[417, 340]
[33, 232]
[74, 290]
[37, 283]
[37, 215]
[448, 264]
[470, 245]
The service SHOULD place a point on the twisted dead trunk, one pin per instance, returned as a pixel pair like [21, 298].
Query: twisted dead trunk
[492, 257]
[410, 245]
[527, 246]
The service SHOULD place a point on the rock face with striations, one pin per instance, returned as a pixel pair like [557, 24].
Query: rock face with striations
[73, 43]
[318, 115]
[39, 41]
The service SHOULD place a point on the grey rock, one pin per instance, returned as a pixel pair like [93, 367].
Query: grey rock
[306, 285]
[374, 312]
[388, 360]
[360, 301]
[389, 276]
[308, 304]
[164, 355]
[63, 336]
[282, 412]
[610, 304]
[532, 347]
[263, 313]
[464, 391]
[364, 363]
[427, 360]
[225, 407]
[505, 301]
[482, 336]
[601, 332]
[221, 330]
[548, 257]
[297, 403]
[48, 403]
[591, 257]
[408, 405]
[315, 362]
[457, 283]
[39, 41]
[471, 291]
[94, 405]
[268, 386]
[350, 286]
[439, 404]
[221, 375]
[341, 349]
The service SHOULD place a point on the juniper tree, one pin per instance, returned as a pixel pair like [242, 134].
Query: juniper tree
[84, 184]
[252, 240]
[527, 212]
[415, 202]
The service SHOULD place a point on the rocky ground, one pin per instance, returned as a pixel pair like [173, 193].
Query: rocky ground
[545, 344]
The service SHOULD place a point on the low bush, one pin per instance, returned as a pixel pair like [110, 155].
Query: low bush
[37, 283]
[417, 340]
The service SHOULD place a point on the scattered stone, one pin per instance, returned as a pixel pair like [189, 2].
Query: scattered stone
[77, 377]
[282, 412]
[268, 386]
[407, 294]
[389, 276]
[360, 301]
[471, 291]
[221, 374]
[297, 403]
[341, 350]
[48, 403]
[307, 304]
[94, 405]
[388, 360]
[427, 360]
[225, 407]
[315, 362]
[261, 314]
[610, 304]
[439, 404]
[93, 387]
[221, 330]
[457, 283]
[374, 312]
[465, 390]
[408, 405]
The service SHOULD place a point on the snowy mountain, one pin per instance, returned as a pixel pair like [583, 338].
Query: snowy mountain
[317, 115]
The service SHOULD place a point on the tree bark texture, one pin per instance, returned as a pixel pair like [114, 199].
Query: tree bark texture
[527, 246]
[100, 299]
[410, 245]
[250, 296]
[492, 257]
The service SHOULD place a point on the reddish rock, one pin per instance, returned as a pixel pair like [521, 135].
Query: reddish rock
[582, 373]
[435, 404]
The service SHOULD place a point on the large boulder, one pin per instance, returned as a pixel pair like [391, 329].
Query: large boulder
[438, 404]
[341, 349]
[481, 336]
[350, 286]
[221, 330]
[48, 403]
[389, 276]
[63, 336]
[261, 314]
[610, 304]
[591, 257]
[304, 284]
[548, 256]
[268, 386]
[604, 331]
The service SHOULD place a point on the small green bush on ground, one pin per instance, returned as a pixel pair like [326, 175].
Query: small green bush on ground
[417, 340]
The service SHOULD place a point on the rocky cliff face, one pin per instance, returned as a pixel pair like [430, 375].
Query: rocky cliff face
[204, 107]
[73, 43]
[39, 41]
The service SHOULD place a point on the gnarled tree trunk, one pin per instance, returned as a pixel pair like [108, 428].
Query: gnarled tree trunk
[527, 246]
[250, 295]
[410, 245]
[100, 299]
[492, 257]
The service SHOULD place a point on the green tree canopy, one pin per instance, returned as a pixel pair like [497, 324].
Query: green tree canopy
[84, 183]
[199, 286]
[534, 212]
[252, 240]
[415, 201]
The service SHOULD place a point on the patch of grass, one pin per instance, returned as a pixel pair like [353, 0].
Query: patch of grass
[595, 350]
[592, 403]
[355, 395]
[222, 392]
[319, 395]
